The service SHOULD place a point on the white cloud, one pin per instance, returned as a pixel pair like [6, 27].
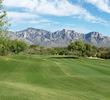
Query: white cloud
[17, 17]
[50, 7]
[19, 3]
[103, 5]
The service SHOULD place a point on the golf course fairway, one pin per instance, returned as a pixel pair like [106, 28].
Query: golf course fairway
[54, 78]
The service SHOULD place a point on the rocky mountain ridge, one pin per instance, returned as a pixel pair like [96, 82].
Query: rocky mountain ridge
[60, 38]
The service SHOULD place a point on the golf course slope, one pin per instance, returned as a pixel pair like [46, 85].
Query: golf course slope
[54, 78]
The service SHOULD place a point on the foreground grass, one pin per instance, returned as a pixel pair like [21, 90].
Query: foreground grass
[54, 78]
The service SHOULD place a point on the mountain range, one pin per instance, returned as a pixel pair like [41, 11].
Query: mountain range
[60, 38]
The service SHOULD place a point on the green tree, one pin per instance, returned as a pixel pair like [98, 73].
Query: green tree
[104, 53]
[17, 46]
[3, 31]
[90, 50]
[77, 48]
[3, 20]
[4, 47]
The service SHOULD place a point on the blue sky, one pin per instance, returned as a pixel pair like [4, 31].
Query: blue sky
[80, 15]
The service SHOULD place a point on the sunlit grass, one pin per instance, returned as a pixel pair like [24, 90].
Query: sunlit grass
[54, 78]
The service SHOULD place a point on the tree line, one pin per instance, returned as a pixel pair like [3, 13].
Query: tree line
[76, 49]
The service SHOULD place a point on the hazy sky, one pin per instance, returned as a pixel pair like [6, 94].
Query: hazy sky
[79, 15]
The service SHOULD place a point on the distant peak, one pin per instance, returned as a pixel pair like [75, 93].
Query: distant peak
[67, 30]
[64, 30]
[30, 28]
[94, 33]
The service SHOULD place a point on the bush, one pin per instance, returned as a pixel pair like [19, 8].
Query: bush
[4, 49]
[11, 46]
[79, 48]
[17, 46]
[104, 53]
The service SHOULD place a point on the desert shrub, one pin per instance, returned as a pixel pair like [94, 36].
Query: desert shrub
[79, 48]
[11, 46]
[17, 46]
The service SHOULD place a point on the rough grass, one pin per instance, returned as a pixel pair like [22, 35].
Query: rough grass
[54, 78]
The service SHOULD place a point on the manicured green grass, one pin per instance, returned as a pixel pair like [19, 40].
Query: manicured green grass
[54, 78]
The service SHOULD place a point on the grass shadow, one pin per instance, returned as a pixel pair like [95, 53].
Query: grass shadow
[65, 57]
